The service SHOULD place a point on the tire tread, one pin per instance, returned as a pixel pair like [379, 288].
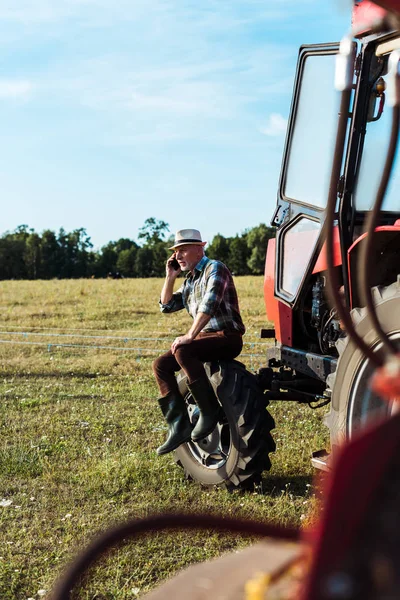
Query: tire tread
[235, 385]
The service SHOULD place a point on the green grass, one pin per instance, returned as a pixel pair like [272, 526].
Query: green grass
[78, 432]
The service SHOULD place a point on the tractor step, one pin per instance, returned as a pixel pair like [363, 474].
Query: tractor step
[321, 460]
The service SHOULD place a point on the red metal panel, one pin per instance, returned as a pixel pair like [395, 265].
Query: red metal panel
[271, 303]
[321, 264]
[284, 325]
[395, 227]
[355, 247]
[277, 312]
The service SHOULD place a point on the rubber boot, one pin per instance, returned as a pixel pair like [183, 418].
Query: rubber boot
[173, 408]
[209, 408]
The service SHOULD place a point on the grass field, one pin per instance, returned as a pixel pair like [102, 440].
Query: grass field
[79, 426]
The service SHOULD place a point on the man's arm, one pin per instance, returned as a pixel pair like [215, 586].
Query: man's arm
[199, 322]
[168, 289]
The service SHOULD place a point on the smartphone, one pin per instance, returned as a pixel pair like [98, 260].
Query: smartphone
[174, 264]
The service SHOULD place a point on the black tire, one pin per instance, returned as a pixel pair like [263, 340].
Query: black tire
[353, 405]
[236, 453]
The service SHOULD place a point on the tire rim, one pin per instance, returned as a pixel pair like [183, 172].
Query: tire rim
[212, 452]
[371, 405]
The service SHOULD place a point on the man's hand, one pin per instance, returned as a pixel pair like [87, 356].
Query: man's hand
[180, 341]
[171, 272]
[199, 322]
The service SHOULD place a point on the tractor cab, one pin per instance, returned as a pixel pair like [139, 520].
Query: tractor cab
[311, 345]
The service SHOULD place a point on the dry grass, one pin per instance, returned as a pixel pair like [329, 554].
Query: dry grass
[78, 431]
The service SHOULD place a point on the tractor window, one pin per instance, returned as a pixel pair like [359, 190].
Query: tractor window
[371, 167]
[298, 245]
[313, 133]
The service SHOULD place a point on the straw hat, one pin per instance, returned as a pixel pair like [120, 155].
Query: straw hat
[187, 236]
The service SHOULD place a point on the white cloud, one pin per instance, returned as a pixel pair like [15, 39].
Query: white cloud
[277, 125]
[15, 89]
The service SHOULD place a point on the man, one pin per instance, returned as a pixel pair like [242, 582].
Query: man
[209, 295]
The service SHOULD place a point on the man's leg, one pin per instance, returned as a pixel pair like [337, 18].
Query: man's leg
[164, 369]
[190, 358]
[206, 347]
[171, 403]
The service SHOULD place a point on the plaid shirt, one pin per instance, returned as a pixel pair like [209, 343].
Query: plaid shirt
[211, 291]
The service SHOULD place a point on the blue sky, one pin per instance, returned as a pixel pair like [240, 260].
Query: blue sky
[115, 111]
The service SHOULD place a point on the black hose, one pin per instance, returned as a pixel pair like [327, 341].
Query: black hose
[367, 249]
[133, 528]
[332, 279]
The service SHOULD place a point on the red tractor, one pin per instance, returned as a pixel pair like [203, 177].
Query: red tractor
[312, 360]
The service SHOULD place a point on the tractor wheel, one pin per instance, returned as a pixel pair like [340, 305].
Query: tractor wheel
[236, 452]
[352, 402]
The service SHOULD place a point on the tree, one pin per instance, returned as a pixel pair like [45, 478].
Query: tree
[160, 255]
[106, 261]
[81, 246]
[24, 254]
[16, 243]
[144, 262]
[151, 258]
[22, 232]
[219, 249]
[239, 253]
[257, 242]
[153, 231]
[50, 251]
[124, 244]
[33, 255]
[11, 258]
[74, 250]
[126, 261]
[64, 254]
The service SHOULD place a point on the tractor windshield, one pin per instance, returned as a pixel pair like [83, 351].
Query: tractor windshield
[313, 134]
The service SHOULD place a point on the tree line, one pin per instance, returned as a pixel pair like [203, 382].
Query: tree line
[25, 254]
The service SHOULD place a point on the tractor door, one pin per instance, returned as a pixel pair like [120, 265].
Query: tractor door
[306, 169]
